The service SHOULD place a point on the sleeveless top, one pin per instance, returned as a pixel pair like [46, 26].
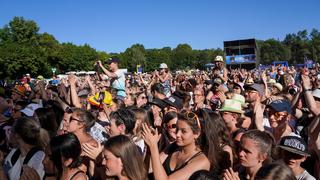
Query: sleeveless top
[166, 163]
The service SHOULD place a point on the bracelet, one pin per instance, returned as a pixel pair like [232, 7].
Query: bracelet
[307, 90]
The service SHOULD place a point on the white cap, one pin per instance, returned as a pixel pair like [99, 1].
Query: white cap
[163, 66]
[219, 58]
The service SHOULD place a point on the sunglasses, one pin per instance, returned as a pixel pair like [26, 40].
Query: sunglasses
[68, 110]
[194, 117]
[276, 114]
[75, 119]
[171, 126]
[103, 123]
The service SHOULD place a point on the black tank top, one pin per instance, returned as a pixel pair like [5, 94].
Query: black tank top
[166, 163]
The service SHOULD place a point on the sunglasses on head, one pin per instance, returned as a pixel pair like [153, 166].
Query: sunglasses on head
[193, 116]
[69, 110]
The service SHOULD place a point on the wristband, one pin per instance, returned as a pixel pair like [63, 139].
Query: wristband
[307, 90]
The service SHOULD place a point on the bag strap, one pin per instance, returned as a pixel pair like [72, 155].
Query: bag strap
[15, 157]
[31, 153]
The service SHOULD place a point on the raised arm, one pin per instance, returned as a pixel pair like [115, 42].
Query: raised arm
[106, 71]
[307, 87]
[74, 97]
[314, 134]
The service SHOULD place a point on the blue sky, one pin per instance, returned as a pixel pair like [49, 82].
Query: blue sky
[114, 25]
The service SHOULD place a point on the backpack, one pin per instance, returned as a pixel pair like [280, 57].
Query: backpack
[29, 155]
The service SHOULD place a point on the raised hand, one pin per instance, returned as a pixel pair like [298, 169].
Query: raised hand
[306, 83]
[229, 174]
[150, 136]
[91, 151]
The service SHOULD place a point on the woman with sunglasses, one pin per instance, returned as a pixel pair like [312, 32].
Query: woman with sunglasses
[141, 99]
[187, 159]
[170, 125]
[80, 123]
[279, 115]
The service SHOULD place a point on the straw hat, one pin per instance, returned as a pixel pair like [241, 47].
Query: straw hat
[231, 105]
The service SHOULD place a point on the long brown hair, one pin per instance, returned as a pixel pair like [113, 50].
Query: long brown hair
[122, 147]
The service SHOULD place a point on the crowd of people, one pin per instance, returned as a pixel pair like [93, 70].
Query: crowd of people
[224, 123]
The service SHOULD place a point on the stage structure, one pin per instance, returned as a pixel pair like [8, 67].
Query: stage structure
[241, 54]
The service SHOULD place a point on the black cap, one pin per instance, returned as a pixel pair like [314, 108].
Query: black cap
[158, 102]
[113, 60]
[174, 101]
[294, 144]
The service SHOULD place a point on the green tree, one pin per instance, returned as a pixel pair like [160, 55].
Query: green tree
[182, 56]
[154, 57]
[273, 50]
[298, 44]
[23, 31]
[315, 45]
[133, 56]
[75, 58]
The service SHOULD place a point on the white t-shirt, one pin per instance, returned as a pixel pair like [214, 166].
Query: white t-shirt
[35, 162]
[305, 176]
[119, 82]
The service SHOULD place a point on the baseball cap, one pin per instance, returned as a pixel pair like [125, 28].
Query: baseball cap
[280, 105]
[113, 60]
[294, 144]
[158, 102]
[174, 101]
[256, 87]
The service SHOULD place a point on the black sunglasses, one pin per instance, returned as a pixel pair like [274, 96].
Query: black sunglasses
[103, 123]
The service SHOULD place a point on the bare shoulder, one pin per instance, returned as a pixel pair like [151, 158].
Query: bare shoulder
[200, 160]
[80, 176]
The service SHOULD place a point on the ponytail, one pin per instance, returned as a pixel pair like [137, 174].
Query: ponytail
[44, 138]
